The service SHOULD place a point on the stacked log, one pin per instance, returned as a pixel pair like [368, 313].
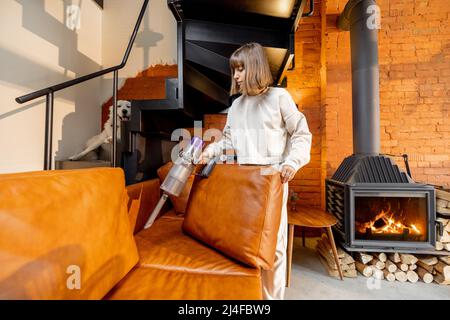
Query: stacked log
[443, 202]
[407, 265]
[389, 276]
[365, 270]
[404, 267]
[401, 267]
[326, 256]
[391, 266]
[442, 275]
[443, 210]
[443, 242]
[363, 257]
[425, 275]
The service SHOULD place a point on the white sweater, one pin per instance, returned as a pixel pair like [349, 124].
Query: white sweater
[266, 129]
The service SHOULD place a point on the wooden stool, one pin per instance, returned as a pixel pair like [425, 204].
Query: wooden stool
[312, 218]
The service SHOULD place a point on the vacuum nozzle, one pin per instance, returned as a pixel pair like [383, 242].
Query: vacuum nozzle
[178, 175]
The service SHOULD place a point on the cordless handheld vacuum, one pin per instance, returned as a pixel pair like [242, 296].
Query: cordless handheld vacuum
[179, 174]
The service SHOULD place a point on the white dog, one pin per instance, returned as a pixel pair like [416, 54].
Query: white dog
[105, 137]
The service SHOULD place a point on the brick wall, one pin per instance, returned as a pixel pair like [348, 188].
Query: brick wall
[337, 122]
[304, 84]
[415, 85]
[414, 57]
[148, 84]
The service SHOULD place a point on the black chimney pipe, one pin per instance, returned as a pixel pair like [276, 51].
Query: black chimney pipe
[358, 17]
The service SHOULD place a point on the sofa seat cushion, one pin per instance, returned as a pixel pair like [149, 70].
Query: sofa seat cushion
[144, 283]
[167, 247]
[172, 265]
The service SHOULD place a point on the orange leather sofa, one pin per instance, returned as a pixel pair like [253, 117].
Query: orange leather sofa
[79, 235]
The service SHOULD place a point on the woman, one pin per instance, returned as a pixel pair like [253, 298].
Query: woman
[264, 127]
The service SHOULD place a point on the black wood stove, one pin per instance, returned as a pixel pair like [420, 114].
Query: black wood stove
[380, 208]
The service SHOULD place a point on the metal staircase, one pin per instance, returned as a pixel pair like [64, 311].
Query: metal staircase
[208, 32]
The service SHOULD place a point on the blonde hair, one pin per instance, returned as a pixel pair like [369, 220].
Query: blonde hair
[253, 59]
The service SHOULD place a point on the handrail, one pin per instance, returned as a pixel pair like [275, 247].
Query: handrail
[49, 93]
[311, 9]
[63, 85]
[70, 83]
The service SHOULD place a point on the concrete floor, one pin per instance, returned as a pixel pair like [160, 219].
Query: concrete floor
[310, 281]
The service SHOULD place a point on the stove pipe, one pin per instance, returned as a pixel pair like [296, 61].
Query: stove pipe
[358, 17]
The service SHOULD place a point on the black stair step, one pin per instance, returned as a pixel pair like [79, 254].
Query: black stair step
[280, 13]
[235, 34]
[195, 79]
[222, 80]
[207, 58]
[223, 49]
[199, 52]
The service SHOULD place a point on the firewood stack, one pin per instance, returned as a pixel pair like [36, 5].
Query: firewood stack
[404, 267]
[325, 252]
[443, 210]
[443, 202]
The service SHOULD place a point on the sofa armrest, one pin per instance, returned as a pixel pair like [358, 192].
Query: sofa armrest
[143, 198]
[53, 221]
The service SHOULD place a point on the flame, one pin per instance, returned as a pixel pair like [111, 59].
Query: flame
[391, 225]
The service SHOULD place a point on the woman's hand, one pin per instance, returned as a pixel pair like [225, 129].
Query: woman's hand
[287, 173]
[205, 157]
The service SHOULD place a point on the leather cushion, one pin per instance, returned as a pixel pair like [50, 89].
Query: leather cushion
[179, 267]
[180, 202]
[58, 224]
[164, 245]
[148, 283]
[237, 210]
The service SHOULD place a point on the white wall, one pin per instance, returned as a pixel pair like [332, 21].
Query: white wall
[37, 50]
[156, 42]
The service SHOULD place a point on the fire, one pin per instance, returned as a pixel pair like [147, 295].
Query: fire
[385, 222]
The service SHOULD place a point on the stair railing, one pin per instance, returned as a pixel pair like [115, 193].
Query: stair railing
[49, 94]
